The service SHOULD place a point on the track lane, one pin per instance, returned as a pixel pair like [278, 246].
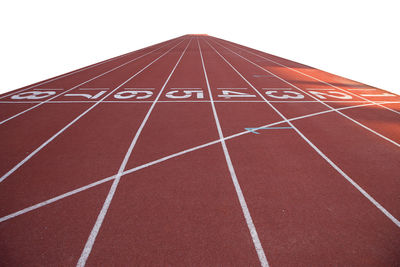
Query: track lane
[149, 164]
[311, 76]
[107, 202]
[62, 76]
[52, 235]
[47, 94]
[353, 140]
[58, 118]
[176, 213]
[182, 211]
[317, 94]
[77, 144]
[321, 207]
[183, 125]
[92, 147]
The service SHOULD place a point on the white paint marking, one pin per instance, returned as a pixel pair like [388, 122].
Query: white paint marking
[319, 89]
[138, 88]
[270, 60]
[75, 120]
[70, 193]
[45, 89]
[340, 171]
[93, 234]
[276, 88]
[81, 69]
[41, 103]
[304, 92]
[95, 89]
[232, 88]
[378, 95]
[185, 88]
[364, 89]
[243, 204]
[196, 101]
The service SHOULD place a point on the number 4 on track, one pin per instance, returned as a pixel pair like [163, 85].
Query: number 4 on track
[230, 94]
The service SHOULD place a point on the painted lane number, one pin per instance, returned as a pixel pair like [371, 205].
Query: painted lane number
[33, 95]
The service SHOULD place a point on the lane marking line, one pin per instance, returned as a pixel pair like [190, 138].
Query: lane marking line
[184, 88]
[378, 95]
[196, 101]
[138, 88]
[325, 104]
[96, 228]
[287, 89]
[358, 89]
[43, 102]
[81, 69]
[395, 111]
[45, 89]
[253, 232]
[148, 164]
[76, 119]
[336, 167]
[231, 88]
[95, 89]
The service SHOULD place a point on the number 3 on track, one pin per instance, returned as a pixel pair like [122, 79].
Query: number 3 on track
[285, 95]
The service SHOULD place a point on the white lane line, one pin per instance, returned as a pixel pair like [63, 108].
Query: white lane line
[138, 88]
[378, 95]
[185, 88]
[288, 89]
[54, 199]
[253, 231]
[45, 89]
[95, 89]
[319, 89]
[195, 101]
[340, 171]
[151, 163]
[358, 89]
[76, 119]
[231, 88]
[76, 86]
[95, 230]
[79, 70]
[325, 104]
[395, 111]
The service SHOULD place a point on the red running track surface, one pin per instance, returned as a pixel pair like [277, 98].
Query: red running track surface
[199, 152]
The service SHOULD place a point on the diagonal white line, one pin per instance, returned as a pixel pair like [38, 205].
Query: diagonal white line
[312, 77]
[80, 189]
[93, 234]
[76, 119]
[76, 86]
[78, 70]
[340, 171]
[253, 231]
[324, 103]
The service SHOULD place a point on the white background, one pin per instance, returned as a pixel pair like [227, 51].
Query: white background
[355, 39]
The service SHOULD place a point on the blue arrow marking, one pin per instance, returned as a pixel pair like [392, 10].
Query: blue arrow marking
[254, 130]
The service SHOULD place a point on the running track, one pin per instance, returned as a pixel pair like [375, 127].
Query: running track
[199, 152]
